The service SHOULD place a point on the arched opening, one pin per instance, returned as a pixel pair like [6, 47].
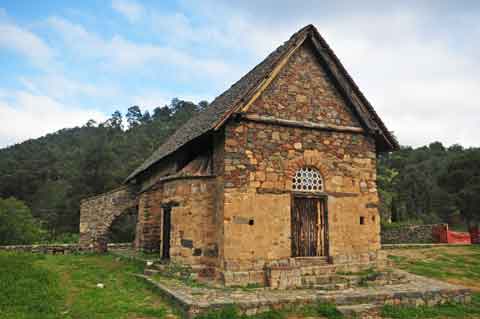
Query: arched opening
[309, 214]
[122, 229]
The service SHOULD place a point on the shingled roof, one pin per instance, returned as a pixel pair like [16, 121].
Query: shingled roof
[239, 93]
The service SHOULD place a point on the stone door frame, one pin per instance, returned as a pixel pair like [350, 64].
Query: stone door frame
[323, 233]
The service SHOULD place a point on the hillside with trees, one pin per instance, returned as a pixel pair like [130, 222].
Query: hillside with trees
[430, 184]
[42, 180]
[50, 175]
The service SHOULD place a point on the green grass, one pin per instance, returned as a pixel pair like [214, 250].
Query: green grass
[311, 311]
[442, 264]
[443, 311]
[34, 286]
[26, 291]
[460, 265]
[47, 287]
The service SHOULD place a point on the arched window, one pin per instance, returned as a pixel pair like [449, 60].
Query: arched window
[307, 179]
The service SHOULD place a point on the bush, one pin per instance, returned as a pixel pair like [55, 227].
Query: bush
[64, 238]
[17, 225]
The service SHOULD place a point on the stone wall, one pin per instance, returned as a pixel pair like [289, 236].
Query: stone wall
[97, 214]
[261, 160]
[58, 248]
[412, 234]
[304, 92]
[193, 230]
[218, 171]
[147, 234]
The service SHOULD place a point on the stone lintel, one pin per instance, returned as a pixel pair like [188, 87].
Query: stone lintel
[342, 194]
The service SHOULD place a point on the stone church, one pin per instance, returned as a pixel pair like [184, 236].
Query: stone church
[277, 173]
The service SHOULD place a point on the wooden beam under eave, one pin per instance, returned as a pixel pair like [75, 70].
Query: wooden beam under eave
[301, 124]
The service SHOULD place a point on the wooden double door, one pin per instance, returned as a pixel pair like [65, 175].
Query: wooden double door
[309, 226]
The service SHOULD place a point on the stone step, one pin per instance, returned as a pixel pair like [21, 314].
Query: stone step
[349, 301]
[318, 270]
[311, 261]
[329, 279]
[356, 310]
[159, 265]
[348, 297]
[150, 271]
[199, 270]
[332, 286]
[314, 280]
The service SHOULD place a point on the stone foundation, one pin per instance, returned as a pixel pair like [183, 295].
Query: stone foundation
[62, 249]
[415, 291]
[290, 272]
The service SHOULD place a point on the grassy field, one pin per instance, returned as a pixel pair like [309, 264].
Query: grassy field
[457, 265]
[47, 287]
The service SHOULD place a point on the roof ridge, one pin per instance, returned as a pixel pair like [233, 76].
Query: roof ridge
[218, 107]
[225, 104]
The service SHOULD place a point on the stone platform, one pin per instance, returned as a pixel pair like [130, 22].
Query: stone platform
[415, 291]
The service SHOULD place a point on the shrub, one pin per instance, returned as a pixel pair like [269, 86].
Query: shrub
[17, 225]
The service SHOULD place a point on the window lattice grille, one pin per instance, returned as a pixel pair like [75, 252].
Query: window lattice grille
[307, 179]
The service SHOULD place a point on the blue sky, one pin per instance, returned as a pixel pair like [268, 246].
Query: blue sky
[64, 62]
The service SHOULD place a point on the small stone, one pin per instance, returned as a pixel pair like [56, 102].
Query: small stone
[301, 98]
[101, 286]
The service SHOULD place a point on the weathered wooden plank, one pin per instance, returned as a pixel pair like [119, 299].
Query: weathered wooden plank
[307, 227]
[302, 124]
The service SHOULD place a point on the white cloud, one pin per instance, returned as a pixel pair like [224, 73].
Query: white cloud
[26, 43]
[58, 86]
[232, 32]
[418, 68]
[421, 86]
[413, 68]
[25, 115]
[132, 10]
[120, 54]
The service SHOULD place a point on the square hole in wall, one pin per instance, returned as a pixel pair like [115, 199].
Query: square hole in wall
[362, 220]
